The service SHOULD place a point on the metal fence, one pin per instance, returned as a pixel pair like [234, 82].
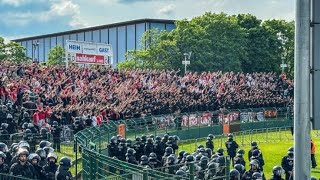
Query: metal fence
[93, 141]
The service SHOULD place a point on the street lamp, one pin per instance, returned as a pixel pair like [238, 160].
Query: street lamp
[283, 40]
[34, 46]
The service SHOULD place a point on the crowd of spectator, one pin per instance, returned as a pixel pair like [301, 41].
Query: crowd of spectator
[103, 94]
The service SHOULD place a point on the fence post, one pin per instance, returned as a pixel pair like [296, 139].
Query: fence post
[191, 171]
[76, 148]
[145, 174]
[227, 168]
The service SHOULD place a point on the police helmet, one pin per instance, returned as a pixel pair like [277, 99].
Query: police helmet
[220, 151]
[204, 160]
[158, 138]
[168, 150]
[200, 146]
[150, 140]
[255, 163]
[256, 176]
[22, 152]
[189, 158]
[4, 125]
[65, 161]
[166, 137]
[234, 174]
[3, 155]
[34, 156]
[209, 152]
[144, 138]
[241, 151]
[198, 157]
[44, 143]
[25, 125]
[55, 123]
[230, 136]
[277, 171]
[240, 168]
[210, 136]
[52, 155]
[130, 151]
[24, 144]
[28, 131]
[254, 144]
[152, 156]
[3, 147]
[181, 153]
[43, 131]
[41, 153]
[144, 158]
[48, 150]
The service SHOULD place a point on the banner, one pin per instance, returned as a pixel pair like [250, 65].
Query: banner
[270, 113]
[260, 116]
[196, 119]
[228, 118]
[244, 117]
[88, 59]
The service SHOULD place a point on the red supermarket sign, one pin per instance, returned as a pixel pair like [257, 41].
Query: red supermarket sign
[88, 59]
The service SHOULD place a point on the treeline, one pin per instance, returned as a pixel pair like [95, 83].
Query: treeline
[218, 42]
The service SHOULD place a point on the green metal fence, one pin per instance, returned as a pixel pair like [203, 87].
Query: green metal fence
[93, 141]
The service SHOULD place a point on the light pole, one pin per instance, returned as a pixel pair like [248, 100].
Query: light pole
[34, 46]
[185, 62]
[283, 40]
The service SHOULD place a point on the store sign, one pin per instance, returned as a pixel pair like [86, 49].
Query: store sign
[88, 59]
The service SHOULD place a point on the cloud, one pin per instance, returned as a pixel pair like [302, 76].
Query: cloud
[15, 3]
[167, 10]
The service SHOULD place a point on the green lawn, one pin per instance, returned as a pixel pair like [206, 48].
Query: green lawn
[274, 146]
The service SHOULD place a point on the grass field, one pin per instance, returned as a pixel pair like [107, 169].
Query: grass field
[274, 146]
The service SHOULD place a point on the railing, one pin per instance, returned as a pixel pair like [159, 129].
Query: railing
[93, 141]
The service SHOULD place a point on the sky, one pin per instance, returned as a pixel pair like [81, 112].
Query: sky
[24, 18]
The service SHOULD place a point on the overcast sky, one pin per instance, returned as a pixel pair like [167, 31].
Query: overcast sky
[23, 18]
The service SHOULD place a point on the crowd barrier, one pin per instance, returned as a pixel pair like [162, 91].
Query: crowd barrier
[93, 141]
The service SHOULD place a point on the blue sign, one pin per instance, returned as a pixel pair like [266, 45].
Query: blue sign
[75, 47]
[104, 50]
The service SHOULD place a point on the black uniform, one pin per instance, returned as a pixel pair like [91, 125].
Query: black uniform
[122, 149]
[4, 168]
[38, 171]
[148, 148]
[26, 170]
[139, 148]
[248, 175]
[132, 159]
[154, 163]
[49, 171]
[231, 146]
[209, 144]
[239, 160]
[4, 135]
[159, 150]
[287, 165]
[113, 150]
[56, 130]
[63, 174]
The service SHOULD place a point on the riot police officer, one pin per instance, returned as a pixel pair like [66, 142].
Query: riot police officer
[113, 147]
[56, 131]
[4, 168]
[276, 173]
[4, 134]
[220, 152]
[139, 148]
[180, 157]
[130, 156]
[148, 148]
[28, 136]
[287, 164]
[240, 168]
[231, 146]
[44, 144]
[209, 143]
[239, 158]
[144, 161]
[158, 148]
[43, 156]
[169, 165]
[22, 167]
[234, 174]
[201, 167]
[63, 172]
[153, 161]
[211, 171]
[256, 155]
[50, 169]
[167, 153]
[221, 169]
[254, 146]
[254, 168]
[34, 160]
[122, 149]
[5, 150]
[44, 133]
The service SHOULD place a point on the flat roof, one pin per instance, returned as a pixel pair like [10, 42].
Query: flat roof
[97, 27]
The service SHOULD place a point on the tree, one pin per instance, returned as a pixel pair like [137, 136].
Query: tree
[12, 51]
[56, 55]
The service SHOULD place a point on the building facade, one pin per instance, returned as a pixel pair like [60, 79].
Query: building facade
[122, 36]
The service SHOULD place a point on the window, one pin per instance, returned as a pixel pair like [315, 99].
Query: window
[159, 26]
[60, 41]
[88, 36]
[121, 43]
[80, 36]
[46, 48]
[29, 49]
[41, 50]
[140, 29]
[53, 42]
[170, 27]
[96, 36]
[65, 38]
[73, 37]
[131, 37]
[113, 42]
[104, 36]
[36, 50]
